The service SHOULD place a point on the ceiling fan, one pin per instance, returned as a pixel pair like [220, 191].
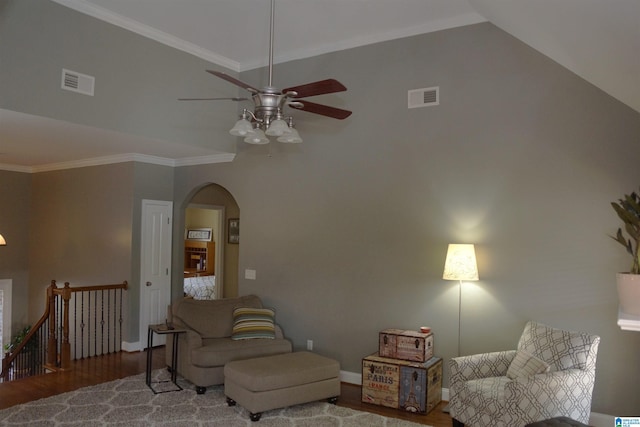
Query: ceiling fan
[268, 117]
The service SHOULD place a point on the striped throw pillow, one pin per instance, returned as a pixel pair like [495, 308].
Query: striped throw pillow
[249, 323]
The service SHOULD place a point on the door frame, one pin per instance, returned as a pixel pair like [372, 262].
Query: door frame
[6, 287]
[143, 331]
[220, 244]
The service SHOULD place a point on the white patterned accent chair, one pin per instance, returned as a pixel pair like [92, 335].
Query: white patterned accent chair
[551, 374]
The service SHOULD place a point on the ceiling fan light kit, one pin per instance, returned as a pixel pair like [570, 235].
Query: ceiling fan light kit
[257, 137]
[278, 127]
[243, 127]
[291, 137]
[267, 117]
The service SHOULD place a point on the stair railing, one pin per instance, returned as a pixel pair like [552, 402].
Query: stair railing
[56, 339]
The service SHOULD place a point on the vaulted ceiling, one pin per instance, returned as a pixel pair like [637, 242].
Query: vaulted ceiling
[598, 40]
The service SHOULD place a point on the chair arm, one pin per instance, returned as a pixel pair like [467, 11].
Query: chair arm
[479, 366]
[186, 342]
[548, 395]
[192, 339]
[279, 332]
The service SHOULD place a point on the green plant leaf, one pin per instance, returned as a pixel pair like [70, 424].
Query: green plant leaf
[632, 231]
[625, 215]
[620, 238]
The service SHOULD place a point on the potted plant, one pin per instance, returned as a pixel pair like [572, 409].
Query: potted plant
[22, 365]
[16, 340]
[628, 284]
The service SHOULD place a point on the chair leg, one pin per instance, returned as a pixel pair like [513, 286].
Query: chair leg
[456, 423]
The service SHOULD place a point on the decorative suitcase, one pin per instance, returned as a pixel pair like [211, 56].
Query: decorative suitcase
[380, 381]
[412, 386]
[406, 345]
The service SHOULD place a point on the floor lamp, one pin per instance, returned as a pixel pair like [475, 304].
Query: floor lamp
[2, 241]
[460, 265]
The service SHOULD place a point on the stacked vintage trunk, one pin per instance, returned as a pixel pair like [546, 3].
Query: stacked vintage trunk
[403, 373]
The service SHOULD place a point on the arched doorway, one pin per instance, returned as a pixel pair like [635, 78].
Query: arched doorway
[211, 261]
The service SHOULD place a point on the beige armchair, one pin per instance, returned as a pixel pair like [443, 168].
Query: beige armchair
[209, 343]
[551, 374]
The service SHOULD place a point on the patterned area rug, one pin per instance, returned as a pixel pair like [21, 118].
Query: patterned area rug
[129, 402]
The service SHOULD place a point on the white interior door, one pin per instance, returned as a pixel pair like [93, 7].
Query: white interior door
[155, 270]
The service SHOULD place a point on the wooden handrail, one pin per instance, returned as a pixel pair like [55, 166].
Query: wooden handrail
[124, 285]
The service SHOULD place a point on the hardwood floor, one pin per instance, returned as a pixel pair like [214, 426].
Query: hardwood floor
[350, 397]
[119, 365]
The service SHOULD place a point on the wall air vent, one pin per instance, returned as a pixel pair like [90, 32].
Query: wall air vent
[77, 82]
[425, 97]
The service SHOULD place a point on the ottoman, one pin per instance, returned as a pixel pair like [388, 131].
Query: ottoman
[271, 382]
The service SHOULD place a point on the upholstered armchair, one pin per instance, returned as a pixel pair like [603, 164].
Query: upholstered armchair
[551, 374]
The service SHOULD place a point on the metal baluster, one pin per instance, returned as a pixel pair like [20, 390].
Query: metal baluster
[58, 329]
[109, 322]
[120, 317]
[75, 323]
[102, 322]
[82, 325]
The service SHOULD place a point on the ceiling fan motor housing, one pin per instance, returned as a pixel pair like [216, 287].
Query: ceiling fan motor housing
[269, 104]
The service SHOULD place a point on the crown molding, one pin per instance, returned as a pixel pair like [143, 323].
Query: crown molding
[149, 32]
[205, 160]
[15, 168]
[98, 12]
[123, 158]
[430, 27]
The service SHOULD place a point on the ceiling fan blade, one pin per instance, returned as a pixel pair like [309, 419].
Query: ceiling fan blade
[213, 99]
[316, 88]
[233, 80]
[324, 110]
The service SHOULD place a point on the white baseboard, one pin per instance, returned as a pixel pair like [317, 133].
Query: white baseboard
[350, 378]
[595, 420]
[131, 347]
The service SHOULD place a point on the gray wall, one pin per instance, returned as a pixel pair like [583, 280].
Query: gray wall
[348, 231]
[81, 229]
[138, 81]
[85, 229]
[15, 200]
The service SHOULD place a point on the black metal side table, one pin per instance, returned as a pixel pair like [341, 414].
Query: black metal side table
[163, 329]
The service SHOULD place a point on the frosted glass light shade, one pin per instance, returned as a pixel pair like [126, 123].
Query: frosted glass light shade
[291, 137]
[256, 137]
[2, 241]
[241, 128]
[278, 127]
[460, 263]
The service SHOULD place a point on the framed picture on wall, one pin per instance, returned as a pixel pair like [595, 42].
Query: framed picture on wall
[234, 230]
[201, 234]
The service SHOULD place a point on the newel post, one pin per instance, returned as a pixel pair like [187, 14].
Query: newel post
[52, 344]
[5, 367]
[65, 348]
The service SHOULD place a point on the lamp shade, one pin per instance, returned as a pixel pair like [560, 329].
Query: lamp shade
[278, 127]
[291, 137]
[2, 241]
[242, 127]
[257, 137]
[460, 263]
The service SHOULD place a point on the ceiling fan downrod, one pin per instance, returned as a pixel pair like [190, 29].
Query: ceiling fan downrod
[267, 117]
[273, 14]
